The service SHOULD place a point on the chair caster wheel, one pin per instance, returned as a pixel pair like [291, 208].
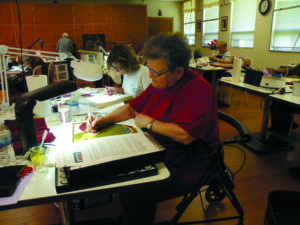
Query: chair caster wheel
[214, 194]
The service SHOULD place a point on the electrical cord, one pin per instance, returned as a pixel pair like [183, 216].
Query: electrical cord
[19, 19]
[223, 180]
[239, 169]
[21, 46]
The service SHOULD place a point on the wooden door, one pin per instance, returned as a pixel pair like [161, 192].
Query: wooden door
[157, 25]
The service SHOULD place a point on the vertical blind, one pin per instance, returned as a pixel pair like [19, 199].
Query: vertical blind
[210, 24]
[189, 21]
[286, 26]
[243, 23]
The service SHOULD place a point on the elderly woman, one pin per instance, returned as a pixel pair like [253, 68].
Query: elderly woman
[222, 55]
[123, 60]
[178, 108]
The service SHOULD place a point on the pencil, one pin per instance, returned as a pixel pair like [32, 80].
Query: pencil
[89, 114]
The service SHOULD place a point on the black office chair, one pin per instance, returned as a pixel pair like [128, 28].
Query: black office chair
[222, 185]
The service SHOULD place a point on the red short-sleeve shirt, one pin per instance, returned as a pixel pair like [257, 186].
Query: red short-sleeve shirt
[192, 105]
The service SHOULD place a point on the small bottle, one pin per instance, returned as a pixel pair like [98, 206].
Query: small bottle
[7, 153]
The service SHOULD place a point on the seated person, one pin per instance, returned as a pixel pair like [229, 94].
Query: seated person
[123, 60]
[222, 55]
[178, 109]
[33, 61]
[282, 114]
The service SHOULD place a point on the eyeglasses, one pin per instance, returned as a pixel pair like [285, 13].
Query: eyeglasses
[155, 73]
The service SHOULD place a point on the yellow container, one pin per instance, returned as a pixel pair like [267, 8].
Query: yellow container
[38, 158]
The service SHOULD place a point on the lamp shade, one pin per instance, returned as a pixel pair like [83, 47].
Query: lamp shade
[86, 71]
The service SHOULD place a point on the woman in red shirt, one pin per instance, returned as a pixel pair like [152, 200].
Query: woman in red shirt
[178, 108]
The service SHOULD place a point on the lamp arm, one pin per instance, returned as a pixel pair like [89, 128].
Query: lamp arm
[24, 110]
[33, 43]
[5, 50]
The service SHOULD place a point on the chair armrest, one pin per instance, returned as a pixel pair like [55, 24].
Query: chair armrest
[238, 125]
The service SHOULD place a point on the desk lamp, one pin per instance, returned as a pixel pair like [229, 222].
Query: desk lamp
[24, 110]
[41, 42]
[89, 71]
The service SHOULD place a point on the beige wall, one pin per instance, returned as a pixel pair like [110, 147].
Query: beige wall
[260, 54]
[169, 9]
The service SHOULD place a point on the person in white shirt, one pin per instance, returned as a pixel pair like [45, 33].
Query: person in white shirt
[124, 60]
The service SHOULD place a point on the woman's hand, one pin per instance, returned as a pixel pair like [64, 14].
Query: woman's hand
[112, 90]
[93, 123]
[141, 120]
[214, 58]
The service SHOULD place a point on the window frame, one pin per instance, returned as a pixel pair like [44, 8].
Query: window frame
[274, 49]
[243, 33]
[192, 23]
[204, 43]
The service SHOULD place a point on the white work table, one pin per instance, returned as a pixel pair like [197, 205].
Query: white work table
[41, 187]
[262, 142]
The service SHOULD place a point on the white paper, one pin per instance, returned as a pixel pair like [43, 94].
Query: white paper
[42, 108]
[103, 100]
[104, 149]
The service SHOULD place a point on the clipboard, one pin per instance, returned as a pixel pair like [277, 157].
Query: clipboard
[62, 184]
[79, 174]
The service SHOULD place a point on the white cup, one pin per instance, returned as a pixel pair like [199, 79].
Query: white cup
[296, 89]
[64, 113]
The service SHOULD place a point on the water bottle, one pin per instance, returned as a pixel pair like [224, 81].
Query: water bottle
[7, 153]
[73, 102]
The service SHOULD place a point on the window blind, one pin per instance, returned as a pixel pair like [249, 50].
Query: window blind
[210, 3]
[189, 21]
[243, 23]
[210, 24]
[285, 26]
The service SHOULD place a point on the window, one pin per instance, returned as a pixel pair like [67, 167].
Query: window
[189, 21]
[243, 23]
[285, 26]
[210, 24]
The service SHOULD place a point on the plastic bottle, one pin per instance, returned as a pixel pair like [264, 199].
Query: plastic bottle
[7, 153]
[74, 103]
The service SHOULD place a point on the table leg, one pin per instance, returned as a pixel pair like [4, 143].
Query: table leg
[265, 119]
[214, 80]
[265, 142]
[67, 213]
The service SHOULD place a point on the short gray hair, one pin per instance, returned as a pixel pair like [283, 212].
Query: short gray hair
[65, 35]
[173, 48]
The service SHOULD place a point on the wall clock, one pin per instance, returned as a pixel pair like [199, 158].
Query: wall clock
[264, 6]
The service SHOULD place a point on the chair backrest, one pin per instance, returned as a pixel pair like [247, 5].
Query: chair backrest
[247, 63]
[37, 70]
[51, 72]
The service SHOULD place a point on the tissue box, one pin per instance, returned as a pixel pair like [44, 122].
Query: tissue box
[272, 82]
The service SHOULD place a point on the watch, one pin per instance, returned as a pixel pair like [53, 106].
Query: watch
[264, 6]
[149, 125]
